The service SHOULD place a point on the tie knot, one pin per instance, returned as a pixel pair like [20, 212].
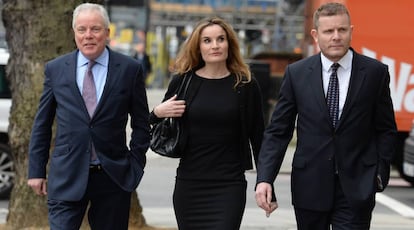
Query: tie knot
[335, 67]
[91, 63]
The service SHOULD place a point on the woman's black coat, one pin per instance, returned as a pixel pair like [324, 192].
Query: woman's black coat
[250, 106]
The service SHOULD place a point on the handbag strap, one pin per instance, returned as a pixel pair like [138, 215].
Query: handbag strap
[184, 86]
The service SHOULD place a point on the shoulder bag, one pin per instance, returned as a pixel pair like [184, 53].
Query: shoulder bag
[166, 133]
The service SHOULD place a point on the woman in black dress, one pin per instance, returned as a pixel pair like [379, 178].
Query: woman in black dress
[222, 123]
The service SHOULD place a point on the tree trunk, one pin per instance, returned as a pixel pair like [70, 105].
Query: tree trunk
[36, 31]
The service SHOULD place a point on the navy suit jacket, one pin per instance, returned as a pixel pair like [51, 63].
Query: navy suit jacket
[123, 96]
[362, 143]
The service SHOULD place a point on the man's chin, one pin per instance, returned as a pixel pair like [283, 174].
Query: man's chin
[90, 53]
[336, 54]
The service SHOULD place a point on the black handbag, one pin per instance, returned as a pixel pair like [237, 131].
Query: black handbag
[166, 133]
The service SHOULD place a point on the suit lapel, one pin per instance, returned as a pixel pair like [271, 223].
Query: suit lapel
[71, 63]
[113, 71]
[355, 83]
[315, 71]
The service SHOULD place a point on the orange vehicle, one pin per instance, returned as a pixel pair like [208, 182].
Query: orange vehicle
[382, 30]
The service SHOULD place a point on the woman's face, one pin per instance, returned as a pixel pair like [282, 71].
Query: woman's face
[214, 44]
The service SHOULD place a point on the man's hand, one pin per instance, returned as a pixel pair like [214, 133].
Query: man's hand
[264, 198]
[38, 185]
[380, 186]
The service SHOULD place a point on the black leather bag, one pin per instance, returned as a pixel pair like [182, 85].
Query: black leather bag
[166, 134]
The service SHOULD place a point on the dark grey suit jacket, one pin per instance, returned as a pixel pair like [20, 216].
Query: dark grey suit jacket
[124, 95]
[362, 143]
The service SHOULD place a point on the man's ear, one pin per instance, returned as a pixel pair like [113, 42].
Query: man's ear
[314, 34]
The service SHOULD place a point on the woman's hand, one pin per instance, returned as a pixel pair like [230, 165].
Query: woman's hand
[170, 108]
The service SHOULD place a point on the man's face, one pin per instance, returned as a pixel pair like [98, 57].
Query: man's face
[333, 36]
[91, 36]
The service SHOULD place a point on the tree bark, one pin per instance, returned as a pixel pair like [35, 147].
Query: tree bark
[36, 31]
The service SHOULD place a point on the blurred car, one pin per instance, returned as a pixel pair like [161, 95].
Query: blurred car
[408, 161]
[7, 169]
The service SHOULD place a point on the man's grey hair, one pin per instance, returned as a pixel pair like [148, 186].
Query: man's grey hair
[91, 7]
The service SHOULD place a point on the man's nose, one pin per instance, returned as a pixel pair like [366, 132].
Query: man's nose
[336, 34]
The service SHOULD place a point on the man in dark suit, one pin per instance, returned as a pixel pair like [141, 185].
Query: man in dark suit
[341, 161]
[91, 162]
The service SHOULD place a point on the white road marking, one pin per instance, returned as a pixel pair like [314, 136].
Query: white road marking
[395, 205]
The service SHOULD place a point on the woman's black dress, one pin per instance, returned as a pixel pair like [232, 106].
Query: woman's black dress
[210, 188]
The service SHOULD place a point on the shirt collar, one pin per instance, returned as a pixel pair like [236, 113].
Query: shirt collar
[345, 61]
[102, 59]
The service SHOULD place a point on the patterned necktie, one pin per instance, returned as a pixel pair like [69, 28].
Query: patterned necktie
[89, 96]
[332, 97]
[89, 89]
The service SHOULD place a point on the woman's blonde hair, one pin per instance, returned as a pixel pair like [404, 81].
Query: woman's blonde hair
[189, 57]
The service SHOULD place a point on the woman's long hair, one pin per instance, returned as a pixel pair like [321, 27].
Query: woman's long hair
[189, 57]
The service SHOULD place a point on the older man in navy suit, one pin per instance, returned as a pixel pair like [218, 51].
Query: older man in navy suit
[345, 131]
[91, 163]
